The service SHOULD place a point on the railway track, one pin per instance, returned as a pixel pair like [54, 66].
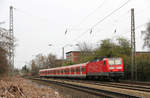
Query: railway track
[136, 87]
[90, 90]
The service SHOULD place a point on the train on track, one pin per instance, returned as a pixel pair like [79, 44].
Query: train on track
[104, 68]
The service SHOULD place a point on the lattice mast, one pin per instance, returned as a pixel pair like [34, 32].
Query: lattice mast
[11, 32]
[133, 48]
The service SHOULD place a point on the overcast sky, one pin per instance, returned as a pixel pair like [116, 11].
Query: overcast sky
[38, 23]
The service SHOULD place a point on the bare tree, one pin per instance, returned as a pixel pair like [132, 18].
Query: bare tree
[147, 36]
[85, 51]
[51, 61]
[84, 47]
[40, 61]
[34, 68]
[3, 62]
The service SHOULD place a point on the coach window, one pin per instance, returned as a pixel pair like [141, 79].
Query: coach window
[72, 70]
[56, 71]
[64, 71]
[67, 71]
[83, 69]
[75, 69]
[104, 63]
[79, 69]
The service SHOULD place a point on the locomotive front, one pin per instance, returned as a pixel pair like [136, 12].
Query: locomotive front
[115, 67]
[105, 68]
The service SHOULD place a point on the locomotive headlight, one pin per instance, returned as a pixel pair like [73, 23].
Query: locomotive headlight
[118, 67]
[111, 67]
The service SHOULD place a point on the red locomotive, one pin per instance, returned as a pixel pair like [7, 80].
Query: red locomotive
[106, 68]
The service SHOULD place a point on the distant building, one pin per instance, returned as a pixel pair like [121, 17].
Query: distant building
[73, 56]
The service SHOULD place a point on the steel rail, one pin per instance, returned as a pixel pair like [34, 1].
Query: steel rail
[143, 88]
[93, 91]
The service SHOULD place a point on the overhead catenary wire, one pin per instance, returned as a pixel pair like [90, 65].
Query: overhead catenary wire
[104, 18]
[86, 17]
[111, 13]
[100, 6]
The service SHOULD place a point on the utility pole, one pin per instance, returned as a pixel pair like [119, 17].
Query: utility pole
[63, 57]
[63, 53]
[11, 48]
[133, 48]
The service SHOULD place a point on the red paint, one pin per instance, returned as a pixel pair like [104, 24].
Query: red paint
[83, 69]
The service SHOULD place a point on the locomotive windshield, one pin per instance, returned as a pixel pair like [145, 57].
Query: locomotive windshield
[114, 61]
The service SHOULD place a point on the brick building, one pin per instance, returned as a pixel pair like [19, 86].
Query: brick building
[73, 56]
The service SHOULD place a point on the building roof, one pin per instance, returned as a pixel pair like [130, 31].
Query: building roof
[72, 51]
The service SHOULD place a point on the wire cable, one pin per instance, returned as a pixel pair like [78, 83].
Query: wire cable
[100, 6]
[104, 18]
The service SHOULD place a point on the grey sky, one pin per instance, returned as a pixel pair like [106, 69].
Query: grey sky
[38, 23]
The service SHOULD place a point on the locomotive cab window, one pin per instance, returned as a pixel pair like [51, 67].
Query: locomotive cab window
[114, 61]
[118, 61]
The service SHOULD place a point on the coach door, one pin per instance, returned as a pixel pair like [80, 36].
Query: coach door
[81, 70]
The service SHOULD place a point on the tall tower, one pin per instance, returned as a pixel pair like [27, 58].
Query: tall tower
[11, 48]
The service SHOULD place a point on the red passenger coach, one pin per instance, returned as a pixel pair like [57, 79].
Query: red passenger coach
[78, 70]
[107, 68]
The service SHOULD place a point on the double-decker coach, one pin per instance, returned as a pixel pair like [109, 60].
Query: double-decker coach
[106, 68]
